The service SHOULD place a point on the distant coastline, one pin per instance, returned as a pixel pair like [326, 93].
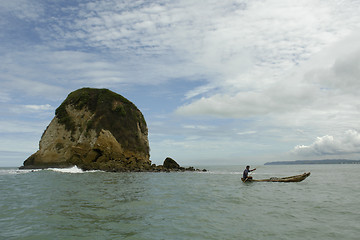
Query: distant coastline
[324, 161]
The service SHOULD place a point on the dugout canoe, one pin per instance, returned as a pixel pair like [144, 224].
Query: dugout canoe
[296, 178]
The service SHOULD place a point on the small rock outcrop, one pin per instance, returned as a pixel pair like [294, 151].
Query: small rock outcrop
[94, 129]
[170, 163]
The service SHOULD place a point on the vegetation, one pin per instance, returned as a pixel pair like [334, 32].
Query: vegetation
[112, 112]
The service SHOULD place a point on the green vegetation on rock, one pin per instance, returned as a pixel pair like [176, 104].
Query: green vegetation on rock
[111, 111]
[97, 129]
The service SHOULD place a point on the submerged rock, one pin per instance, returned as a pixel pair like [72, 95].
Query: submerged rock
[94, 129]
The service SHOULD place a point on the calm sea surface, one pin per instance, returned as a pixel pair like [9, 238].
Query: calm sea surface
[71, 204]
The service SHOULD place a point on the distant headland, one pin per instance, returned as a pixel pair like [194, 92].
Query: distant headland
[324, 161]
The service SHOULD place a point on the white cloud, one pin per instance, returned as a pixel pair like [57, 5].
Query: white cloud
[36, 108]
[198, 127]
[280, 37]
[236, 46]
[206, 151]
[21, 85]
[4, 97]
[343, 75]
[317, 97]
[275, 100]
[348, 143]
[269, 66]
[52, 74]
[223, 41]
[247, 132]
[29, 10]
[21, 126]
[326, 83]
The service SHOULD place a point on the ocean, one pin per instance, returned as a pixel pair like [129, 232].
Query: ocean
[72, 204]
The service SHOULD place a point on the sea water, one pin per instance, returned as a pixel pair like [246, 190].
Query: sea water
[72, 204]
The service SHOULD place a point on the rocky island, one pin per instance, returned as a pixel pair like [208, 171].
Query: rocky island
[97, 129]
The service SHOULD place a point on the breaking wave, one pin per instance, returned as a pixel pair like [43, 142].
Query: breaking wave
[73, 169]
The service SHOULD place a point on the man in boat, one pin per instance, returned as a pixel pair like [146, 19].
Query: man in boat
[246, 173]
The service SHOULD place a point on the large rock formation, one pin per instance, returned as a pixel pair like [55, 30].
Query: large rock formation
[94, 129]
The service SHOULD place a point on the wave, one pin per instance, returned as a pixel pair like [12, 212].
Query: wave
[73, 169]
[12, 171]
[222, 172]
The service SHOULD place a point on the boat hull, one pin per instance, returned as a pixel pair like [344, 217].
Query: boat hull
[296, 178]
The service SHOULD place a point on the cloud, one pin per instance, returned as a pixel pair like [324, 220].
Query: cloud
[281, 39]
[52, 74]
[248, 104]
[21, 126]
[32, 108]
[235, 46]
[247, 132]
[21, 9]
[348, 143]
[267, 67]
[29, 87]
[220, 41]
[325, 83]
[343, 74]
[4, 97]
[205, 151]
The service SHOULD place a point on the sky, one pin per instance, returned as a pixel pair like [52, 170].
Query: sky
[218, 82]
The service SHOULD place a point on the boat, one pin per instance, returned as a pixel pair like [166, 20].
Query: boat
[296, 178]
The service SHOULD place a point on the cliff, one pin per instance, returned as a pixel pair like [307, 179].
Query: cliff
[94, 129]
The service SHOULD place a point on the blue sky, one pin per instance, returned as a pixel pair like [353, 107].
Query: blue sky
[219, 82]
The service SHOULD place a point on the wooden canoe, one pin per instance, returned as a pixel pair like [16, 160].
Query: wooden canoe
[296, 178]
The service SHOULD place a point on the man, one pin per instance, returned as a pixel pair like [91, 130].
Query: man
[246, 173]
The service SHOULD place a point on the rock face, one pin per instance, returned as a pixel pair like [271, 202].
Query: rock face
[170, 163]
[94, 129]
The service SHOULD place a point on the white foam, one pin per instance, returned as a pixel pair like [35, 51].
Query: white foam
[73, 169]
[223, 172]
[13, 171]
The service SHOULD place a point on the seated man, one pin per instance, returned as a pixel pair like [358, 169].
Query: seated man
[246, 173]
